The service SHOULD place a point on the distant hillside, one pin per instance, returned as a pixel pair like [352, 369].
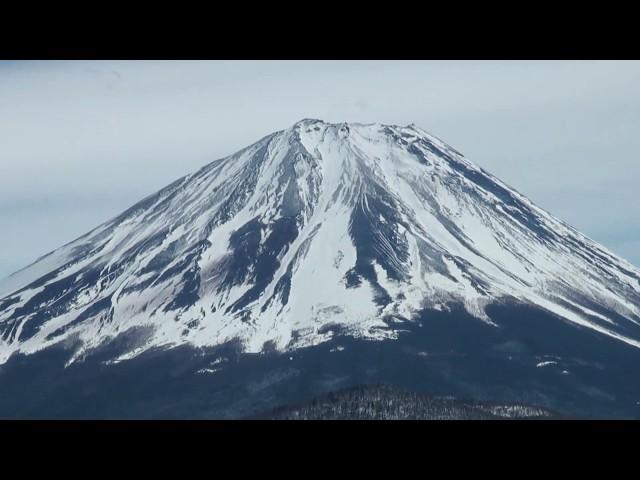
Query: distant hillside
[383, 402]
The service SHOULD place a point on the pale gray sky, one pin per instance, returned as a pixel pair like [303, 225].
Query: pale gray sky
[82, 141]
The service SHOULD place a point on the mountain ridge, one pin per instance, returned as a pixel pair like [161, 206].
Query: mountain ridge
[383, 402]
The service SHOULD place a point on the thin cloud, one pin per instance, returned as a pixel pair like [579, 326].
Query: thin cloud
[110, 133]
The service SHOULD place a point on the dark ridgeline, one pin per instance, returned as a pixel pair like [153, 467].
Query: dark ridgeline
[383, 402]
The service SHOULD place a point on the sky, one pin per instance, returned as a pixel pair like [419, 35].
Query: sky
[82, 141]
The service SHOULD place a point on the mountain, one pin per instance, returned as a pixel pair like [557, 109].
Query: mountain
[325, 237]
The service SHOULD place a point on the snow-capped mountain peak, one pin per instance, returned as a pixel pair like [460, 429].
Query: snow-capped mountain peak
[356, 226]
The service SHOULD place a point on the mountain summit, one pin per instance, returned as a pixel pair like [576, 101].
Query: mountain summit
[356, 227]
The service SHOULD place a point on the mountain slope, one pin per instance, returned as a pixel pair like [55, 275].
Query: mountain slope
[317, 227]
